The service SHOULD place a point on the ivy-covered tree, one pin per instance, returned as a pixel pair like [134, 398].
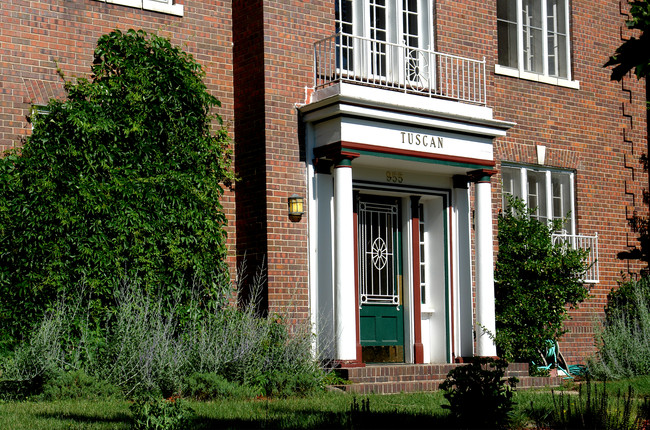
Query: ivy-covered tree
[535, 281]
[634, 53]
[119, 181]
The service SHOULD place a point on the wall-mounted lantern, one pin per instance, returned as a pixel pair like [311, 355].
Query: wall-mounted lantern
[296, 207]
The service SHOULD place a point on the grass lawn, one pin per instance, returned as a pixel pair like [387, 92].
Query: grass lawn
[319, 411]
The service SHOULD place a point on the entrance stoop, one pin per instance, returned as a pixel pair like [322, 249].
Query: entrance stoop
[412, 378]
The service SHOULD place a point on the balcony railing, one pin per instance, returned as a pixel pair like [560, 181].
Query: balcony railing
[347, 58]
[588, 243]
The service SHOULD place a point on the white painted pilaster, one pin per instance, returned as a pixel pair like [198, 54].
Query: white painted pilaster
[485, 314]
[344, 288]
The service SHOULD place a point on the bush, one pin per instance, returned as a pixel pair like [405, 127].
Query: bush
[76, 385]
[478, 394]
[144, 350]
[593, 408]
[623, 342]
[161, 414]
[121, 180]
[210, 386]
[535, 281]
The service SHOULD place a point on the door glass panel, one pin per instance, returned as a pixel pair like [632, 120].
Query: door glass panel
[378, 255]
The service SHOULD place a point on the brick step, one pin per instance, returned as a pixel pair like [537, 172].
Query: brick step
[415, 386]
[391, 387]
[413, 372]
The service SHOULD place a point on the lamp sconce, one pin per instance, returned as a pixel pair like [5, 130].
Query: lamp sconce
[296, 207]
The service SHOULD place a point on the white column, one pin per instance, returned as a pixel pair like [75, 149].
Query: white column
[344, 288]
[485, 315]
[463, 279]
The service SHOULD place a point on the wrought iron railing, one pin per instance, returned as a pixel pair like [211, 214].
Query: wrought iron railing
[580, 241]
[347, 58]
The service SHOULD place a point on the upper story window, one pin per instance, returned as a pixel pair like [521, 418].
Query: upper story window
[382, 39]
[163, 6]
[549, 193]
[388, 44]
[534, 41]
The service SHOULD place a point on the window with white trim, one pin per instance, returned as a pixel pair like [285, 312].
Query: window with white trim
[423, 256]
[548, 192]
[384, 38]
[163, 6]
[533, 37]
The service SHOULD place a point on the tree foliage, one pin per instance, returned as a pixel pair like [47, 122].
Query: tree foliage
[535, 280]
[634, 53]
[121, 180]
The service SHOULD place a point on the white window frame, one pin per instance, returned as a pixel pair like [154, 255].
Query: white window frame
[169, 7]
[544, 76]
[364, 57]
[519, 186]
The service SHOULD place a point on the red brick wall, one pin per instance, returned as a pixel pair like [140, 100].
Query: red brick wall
[38, 36]
[601, 124]
[599, 130]
[291, 28]
[250, 145]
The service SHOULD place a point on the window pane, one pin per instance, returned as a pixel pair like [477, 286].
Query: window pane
[511, 183]
[344, 55]
[507, 32]
[537, 195]
[507, 10]
[423, 265]
[532, 35]
[378, 33]
[557, 38]
[507, 37]
[562, 195]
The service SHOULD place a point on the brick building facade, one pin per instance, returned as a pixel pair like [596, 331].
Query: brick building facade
[412, 122]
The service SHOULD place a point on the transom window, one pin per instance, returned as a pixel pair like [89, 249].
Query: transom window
[163, 6]
[534, 36]
[549, 193]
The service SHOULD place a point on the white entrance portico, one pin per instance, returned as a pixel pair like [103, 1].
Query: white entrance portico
[391, 226]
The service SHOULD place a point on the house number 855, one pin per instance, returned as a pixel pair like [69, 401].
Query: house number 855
[395, 177]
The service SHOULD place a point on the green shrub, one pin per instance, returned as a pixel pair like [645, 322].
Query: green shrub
[121, 180]
[623, 342]
[161, 414]
[626, 300]
[478, 394]
[593, 408]
[143, 349]
[535, 281]
[78, 385]
[210, 386]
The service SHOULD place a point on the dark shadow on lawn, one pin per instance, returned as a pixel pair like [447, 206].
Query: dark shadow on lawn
[306, 420]
[88, 418]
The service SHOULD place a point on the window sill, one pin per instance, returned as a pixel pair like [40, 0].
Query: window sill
[515, 73]
[153, 5]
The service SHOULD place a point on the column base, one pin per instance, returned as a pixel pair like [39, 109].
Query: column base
[418, 350]
[347, 364]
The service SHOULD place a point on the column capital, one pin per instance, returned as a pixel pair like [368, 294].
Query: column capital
[461, 181]
[481, 175]
[335, 152]
[344, 159]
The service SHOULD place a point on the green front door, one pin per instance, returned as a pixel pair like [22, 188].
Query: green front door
[380, 280]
